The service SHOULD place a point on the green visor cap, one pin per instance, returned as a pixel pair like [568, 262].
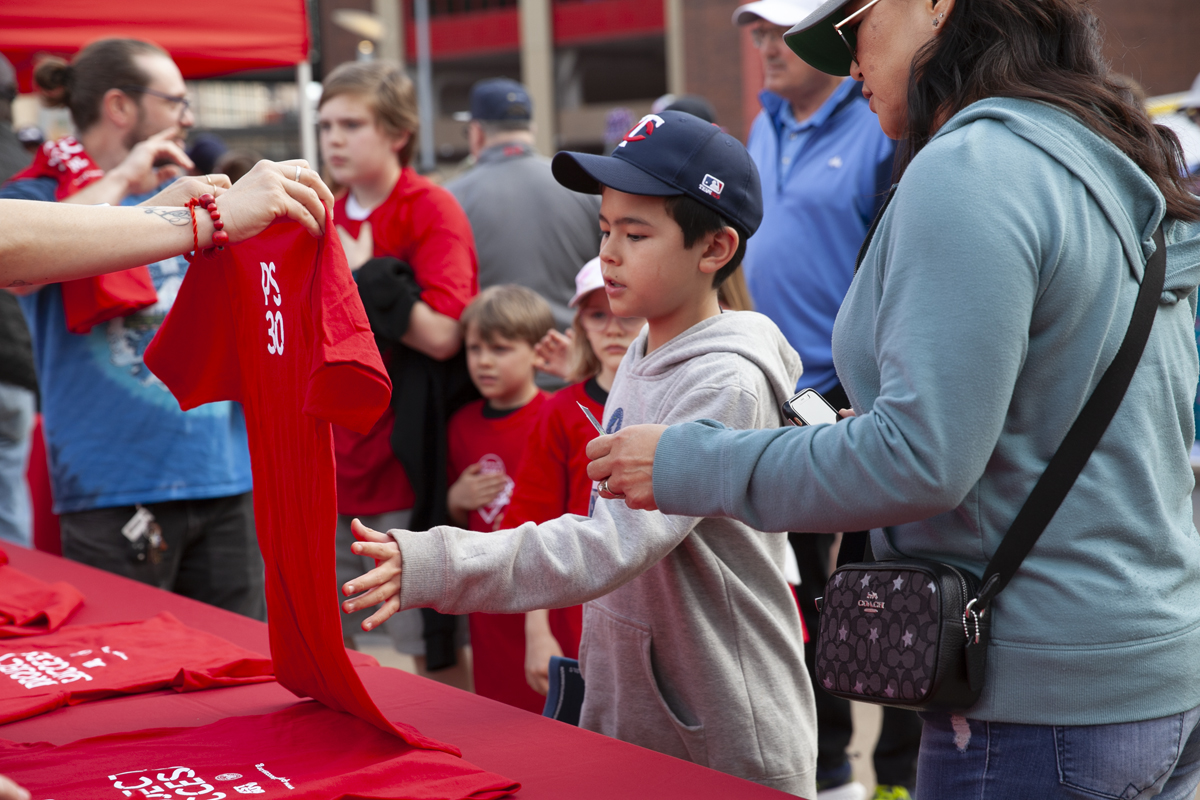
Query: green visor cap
[815, 40]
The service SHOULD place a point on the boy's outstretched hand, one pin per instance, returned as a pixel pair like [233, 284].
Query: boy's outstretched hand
[380, 586]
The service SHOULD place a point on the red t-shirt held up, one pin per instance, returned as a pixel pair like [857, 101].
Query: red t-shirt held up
[29, 607]
[304, 752]
[421, 224]
[276, 323]
[497, 640]
[89, 662]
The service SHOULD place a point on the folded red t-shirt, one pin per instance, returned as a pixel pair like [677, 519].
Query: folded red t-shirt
[89, 662]
[276, 323]
[29, 607]
[304, 752]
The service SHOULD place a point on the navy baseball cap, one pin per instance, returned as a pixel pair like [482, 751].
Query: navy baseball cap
[500, 100]
[673, 153]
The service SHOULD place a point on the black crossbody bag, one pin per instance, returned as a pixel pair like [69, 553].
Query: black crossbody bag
[913, 632]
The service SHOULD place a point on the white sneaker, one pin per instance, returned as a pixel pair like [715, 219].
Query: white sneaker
[847, 791]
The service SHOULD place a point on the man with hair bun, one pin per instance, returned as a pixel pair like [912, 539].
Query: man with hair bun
[18, 384]
[143, 489]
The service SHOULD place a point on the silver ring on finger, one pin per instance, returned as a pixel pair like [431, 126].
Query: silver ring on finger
[298, 171]
[210, 182]
[604, 486]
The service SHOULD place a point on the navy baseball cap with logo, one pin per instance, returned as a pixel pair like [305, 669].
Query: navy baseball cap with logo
[500, 100]
[672, 153]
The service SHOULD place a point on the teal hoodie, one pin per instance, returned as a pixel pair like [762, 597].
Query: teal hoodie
[996, 290]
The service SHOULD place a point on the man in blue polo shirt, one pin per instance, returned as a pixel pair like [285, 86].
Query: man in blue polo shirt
[826, 169]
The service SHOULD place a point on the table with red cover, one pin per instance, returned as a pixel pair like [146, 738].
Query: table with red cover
[81, 663]
[31, 607]
[549, 758]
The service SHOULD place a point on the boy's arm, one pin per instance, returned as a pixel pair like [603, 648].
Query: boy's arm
[561, 562]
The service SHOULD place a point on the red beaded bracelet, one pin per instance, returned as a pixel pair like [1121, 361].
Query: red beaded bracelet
[209, 203]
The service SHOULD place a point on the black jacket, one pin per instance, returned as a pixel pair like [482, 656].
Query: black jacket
[425, 392]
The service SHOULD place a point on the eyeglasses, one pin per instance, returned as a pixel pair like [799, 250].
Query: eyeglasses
[180, 100]
[595, 320]
[850, 35]
[762, 35]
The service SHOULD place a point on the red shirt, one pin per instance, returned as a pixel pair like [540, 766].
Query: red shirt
[421, 224]
[497, 640]
[552, 478]
[90, 662]
[276, 323]
[29, 607]
[495, 442]
[303, 752]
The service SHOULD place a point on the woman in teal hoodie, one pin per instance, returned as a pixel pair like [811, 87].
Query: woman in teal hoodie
[996, 289]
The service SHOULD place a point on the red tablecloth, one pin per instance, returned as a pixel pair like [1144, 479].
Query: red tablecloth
[550, 759]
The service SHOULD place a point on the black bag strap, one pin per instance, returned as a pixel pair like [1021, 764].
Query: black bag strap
[1081, 439]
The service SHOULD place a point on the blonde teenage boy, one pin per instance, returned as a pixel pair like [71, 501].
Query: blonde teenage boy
[692, 643]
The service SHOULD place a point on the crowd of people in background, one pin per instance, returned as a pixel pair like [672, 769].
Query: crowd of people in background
[493, 311]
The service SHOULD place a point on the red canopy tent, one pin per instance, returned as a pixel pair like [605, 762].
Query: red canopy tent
[206, 38]
[212, 37]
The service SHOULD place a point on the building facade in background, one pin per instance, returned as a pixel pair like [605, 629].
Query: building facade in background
[611, 59]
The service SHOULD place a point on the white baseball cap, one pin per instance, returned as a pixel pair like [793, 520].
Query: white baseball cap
[589, 279]
[1192, 100]
[785, 13]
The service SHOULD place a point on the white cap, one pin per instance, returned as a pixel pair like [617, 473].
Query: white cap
[589, 279]
[1192, 100]
[784, 13]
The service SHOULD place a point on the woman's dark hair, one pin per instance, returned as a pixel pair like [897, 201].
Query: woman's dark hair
[81, 85]
[697, 220]
[1047, 50]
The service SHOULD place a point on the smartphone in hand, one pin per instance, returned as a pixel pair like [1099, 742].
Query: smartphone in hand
[808, 407]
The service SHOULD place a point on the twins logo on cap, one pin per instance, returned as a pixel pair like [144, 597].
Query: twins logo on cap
[712, 186]
[648, 124]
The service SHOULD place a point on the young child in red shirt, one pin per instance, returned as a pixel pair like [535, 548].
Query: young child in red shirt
[552, 479]
[486, 439]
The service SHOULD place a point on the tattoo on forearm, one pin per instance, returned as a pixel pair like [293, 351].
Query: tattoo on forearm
[16, 284]
[178, 217]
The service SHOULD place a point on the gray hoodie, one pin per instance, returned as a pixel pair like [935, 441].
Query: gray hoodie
[691, 640]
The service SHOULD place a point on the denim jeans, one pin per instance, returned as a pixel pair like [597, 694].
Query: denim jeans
[17, 408]
[965, 759]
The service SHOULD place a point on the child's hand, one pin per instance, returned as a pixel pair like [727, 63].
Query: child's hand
[554, 353]
[380, 585]
[473, 490]
[540, 646]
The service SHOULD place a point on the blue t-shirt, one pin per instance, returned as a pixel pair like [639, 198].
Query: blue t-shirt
[115, 435]
[823, 180]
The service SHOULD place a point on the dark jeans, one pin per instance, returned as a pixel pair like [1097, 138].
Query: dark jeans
[211, 552]
[1006, 761]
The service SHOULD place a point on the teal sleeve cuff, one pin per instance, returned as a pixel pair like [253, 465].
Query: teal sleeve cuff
[687, 475]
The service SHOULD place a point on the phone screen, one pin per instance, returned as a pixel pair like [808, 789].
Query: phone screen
[812, 408]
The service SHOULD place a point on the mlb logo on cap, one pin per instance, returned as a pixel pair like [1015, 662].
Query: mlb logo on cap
[712, 186]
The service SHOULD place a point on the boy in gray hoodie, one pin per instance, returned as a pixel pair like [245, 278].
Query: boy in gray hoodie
[692, 643]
